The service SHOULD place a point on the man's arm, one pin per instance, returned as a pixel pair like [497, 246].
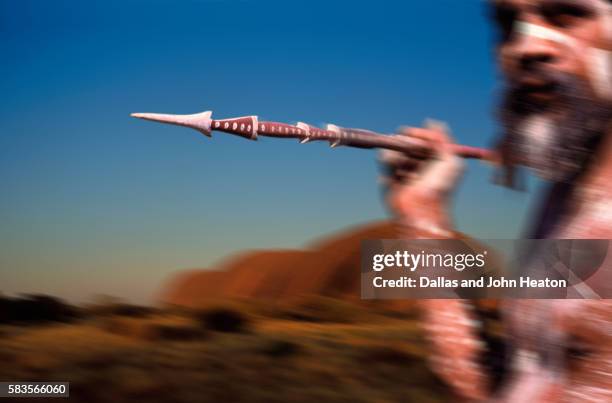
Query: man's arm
[419, 192]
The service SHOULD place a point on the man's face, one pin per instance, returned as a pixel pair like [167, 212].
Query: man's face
[556, 59]
[554, 36]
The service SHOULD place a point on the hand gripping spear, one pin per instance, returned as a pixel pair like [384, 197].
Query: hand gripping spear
[250, 127]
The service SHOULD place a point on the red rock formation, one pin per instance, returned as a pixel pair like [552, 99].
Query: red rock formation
[328, 267]
[194, 288]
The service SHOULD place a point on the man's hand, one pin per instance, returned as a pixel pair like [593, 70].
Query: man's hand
[419, 184]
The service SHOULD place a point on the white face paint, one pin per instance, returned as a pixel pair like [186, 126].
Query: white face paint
[601, 60]
[600, 72]
[540, 32]
[605, 9]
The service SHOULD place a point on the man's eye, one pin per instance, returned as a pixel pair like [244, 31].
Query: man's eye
[565, 15]
[504, 18]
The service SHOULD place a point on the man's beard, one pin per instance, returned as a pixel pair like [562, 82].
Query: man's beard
[558, 140]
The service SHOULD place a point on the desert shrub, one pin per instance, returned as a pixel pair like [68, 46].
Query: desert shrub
[35, 309]
[324, 309]
[168, 332]
[280, 348]
[224, 320]
[386, 354]
[5, 304]
[122, 309]
[156, 329]
[123, 326]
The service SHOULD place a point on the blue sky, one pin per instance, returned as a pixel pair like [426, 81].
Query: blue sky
[95, 202]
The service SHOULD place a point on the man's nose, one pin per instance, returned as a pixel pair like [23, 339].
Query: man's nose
[531, 60]
[529, 52]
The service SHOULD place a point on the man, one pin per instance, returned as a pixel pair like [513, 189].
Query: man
[556, 56]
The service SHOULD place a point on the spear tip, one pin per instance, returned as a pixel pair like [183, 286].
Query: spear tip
[198, 121]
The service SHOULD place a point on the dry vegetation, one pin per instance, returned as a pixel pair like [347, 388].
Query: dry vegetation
[319, 350]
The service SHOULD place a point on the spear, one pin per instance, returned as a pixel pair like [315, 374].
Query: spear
[250, 128]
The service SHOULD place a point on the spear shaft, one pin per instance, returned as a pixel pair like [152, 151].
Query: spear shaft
[250, 128]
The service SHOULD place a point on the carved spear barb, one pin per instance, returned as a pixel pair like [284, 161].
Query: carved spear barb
[250, 127]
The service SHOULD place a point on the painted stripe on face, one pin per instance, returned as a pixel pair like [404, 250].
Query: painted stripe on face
[540, 32]
[601, 59]
[601, 72]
